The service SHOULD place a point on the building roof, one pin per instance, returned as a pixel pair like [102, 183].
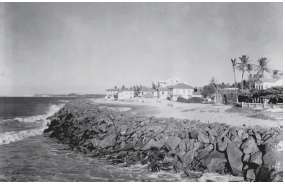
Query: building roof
[146, 89]
[112, 89]
[181, 86]
[148, 95]
[163, 89]
[268, 79]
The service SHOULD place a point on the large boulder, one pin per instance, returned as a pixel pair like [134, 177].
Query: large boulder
[213, 161]
[273, 156]
[249, 146]
[256, 158]
[235, 159]
[172, 142]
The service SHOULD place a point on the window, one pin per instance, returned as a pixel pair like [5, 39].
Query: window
[265, 86]
[261, 86]
[183, 91]
[162, 92]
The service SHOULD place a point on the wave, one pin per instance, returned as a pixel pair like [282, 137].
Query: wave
[39, 121]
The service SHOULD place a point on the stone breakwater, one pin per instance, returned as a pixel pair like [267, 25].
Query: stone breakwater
[251, 153]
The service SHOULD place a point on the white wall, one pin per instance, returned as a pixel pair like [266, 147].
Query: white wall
[266, 85]
[186, 93]
[126, 95]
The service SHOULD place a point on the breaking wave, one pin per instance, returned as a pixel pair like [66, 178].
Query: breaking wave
[31, 126]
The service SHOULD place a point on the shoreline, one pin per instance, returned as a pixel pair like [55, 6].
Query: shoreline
[206, 113]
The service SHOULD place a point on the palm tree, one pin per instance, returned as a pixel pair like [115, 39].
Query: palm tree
[242, 67]
[213, 82]
[234, 64]
[262, 66]
[249, 68]
[275, 74]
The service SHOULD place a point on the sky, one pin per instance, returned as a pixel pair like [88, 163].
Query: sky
[54, 48]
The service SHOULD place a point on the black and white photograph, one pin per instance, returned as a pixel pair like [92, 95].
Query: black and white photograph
[141, 92]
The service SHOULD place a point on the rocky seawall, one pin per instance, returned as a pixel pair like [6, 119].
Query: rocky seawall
[198, 149]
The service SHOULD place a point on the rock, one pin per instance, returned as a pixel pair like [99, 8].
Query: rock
[212, 161]
[167, 159]
[108, 141]
[202, 153]
[256, 158]
[246, 158]
[244, 136]
[172, 142]
[214, 125]
[155, 143]
[189, 156]
[262, 174]
[190, 144]
[129, 145]
[123, 129]
[249, 146]
[273, 156]
[258, 138]
[250, 175]
[96, 142]
[203, 138]
[222, 145]
[194, 134]
[235, 159]
[240, 133]
[181, 148]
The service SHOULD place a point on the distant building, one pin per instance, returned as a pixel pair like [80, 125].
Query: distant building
[264, 83]
[126, 94]
[181, 90]
[146, 90]
[112, 92]
[169, 82]
[164, 92]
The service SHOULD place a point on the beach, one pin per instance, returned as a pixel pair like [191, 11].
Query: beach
[206, 113]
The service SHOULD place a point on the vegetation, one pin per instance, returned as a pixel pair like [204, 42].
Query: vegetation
[242, 66]
[262, 66]
[234, 64]
[208, 90]
[190, 100]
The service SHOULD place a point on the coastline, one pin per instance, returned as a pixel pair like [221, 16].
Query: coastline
[206, 113]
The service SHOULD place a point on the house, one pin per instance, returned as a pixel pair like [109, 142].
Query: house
[264, 83]
[111, 92]
[126, 94]
[224, 96]
[197, 94]
[181, 90]
[164, 93]
[146, 90]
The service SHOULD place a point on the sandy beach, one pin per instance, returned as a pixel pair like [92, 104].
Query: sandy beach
[203, 112]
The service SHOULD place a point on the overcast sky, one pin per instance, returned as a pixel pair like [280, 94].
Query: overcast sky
[90, 47]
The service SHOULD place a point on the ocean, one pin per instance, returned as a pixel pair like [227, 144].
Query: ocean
[26, 155]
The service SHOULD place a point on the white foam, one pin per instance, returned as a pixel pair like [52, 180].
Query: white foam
[8, 137]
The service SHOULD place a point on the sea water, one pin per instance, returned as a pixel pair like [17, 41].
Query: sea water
[26, 155]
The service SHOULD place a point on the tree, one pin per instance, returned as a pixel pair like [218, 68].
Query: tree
[115, 87]
[195, 89]
[208, 90]
[123, 87]
[242, 67]
[249, 68]
[275, 74]
[213, 82]
[153, 86]
[262, 66]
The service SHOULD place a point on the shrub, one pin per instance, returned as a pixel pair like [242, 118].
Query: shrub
[191, 100]
[195, 100]
[182, 100]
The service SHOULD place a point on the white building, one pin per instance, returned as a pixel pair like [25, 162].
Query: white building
[146, 90]
[163, 93]
[126, 94]
[264, 83]
[169, 82]
[111, 92]
[181, 90]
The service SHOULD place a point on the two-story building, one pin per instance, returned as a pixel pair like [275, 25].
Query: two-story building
[181, 90]
[164, 93]
[126, 94]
